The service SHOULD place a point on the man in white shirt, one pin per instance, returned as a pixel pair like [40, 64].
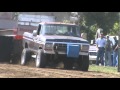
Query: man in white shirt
[100, 44]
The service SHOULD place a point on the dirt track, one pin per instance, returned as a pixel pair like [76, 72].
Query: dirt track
[18, 71]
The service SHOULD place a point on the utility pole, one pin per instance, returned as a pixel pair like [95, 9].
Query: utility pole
[15, 15]
[119, 57]
[74, 18]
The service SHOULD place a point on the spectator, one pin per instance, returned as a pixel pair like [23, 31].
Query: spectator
[100, 44]
[115, 52]
[108, 51]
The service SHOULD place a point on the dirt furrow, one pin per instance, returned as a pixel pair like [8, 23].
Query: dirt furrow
[18, 71]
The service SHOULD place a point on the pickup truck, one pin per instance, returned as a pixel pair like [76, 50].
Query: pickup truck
[54, 42]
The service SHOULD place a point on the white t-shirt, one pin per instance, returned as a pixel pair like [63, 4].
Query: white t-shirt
[101, 42]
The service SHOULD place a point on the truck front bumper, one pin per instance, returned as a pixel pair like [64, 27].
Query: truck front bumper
[52, 52]
[92, 58]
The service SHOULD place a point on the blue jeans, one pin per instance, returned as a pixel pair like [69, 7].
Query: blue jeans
[108, 60]
[115, 58]
[100, 54]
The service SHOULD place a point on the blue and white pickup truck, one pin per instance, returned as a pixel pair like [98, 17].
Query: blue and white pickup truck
[54, 42]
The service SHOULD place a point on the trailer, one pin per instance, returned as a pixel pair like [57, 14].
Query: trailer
[11, 33]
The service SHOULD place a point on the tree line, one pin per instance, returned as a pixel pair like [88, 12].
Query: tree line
[91, 21]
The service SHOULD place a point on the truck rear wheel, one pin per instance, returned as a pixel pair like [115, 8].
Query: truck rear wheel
[25, 56]
[40, 61]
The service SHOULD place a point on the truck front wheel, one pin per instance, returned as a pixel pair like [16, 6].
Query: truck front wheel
[40, 59]
[25, 56]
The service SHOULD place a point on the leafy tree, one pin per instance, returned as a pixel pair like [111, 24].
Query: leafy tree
[115, 29]
[91, 21]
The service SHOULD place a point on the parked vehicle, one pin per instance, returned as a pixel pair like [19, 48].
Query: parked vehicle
[10, 41]
[92, 54]
[11, 33]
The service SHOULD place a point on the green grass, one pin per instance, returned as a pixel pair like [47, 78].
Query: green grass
[104, 69]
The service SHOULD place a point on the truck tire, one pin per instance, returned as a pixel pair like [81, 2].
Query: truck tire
[84, 63]
[40, 60]
[25, 56]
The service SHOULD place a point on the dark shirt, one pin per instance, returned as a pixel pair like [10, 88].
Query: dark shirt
[116, 43]
[108, 45]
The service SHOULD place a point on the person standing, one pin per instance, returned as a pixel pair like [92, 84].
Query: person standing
[115, 52]
[100, 44]
[108, 51]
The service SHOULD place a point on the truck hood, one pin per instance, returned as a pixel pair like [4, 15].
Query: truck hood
[56, 38]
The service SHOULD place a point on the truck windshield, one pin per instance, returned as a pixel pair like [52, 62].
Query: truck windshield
[65, 30]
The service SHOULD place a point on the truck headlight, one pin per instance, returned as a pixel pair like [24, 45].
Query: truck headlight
[84, 47]
[48, 46]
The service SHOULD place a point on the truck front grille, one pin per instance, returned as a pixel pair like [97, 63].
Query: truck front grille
[60, 47]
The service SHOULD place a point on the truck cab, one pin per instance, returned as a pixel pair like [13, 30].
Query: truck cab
[56, 41]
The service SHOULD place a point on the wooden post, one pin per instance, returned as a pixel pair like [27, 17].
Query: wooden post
[119, 54]
[119, 47]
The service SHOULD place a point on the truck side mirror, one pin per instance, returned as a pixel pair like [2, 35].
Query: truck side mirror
[34, 32]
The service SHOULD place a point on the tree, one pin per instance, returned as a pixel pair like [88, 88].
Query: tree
[90, 21]
[74, 17]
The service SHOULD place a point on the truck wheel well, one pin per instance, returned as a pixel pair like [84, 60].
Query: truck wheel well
[26, 45]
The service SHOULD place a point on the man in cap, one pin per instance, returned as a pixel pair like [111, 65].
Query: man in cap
[108, 51]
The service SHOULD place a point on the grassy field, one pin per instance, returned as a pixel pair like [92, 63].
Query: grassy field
[104, 69]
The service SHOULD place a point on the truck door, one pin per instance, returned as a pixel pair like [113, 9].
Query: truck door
[31, 44]
[37, 38]
[28, 40]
